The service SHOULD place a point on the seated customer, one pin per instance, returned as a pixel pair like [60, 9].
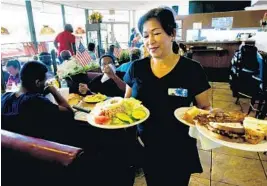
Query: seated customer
[91, 49]
[111, 52]
[13, 68]
[135, 54]
[65, 55]
[28, 112]
[46, 59]
[112, 87]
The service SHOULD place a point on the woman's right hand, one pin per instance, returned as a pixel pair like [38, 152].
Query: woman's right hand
[83, 88]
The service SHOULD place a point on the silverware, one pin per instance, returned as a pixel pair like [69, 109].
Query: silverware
[81, 109]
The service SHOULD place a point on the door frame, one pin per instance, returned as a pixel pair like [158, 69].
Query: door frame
[112, 28]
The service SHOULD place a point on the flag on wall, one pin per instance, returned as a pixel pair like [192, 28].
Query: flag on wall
[82, 55]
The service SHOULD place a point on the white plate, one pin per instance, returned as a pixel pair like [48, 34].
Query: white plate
[178, 113]
[261, 147]
[91, 121]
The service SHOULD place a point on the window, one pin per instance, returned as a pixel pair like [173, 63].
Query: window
[76, 17]
[15, 20]
[45, 14]
[119, 16]
[183, 8]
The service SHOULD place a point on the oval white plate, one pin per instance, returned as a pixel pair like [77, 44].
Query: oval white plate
[261, 147]
[91, 121]
[178, 113]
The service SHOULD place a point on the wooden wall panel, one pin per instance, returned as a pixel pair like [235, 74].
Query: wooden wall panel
[242, 19]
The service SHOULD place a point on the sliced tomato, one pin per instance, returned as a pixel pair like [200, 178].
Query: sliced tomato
[102, 120]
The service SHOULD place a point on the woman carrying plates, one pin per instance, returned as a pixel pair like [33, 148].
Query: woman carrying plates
[164, 82]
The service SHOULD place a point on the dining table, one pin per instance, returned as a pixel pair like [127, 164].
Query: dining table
[112, 154]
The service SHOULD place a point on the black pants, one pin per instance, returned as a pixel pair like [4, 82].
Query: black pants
[163, 169]
[156, 176]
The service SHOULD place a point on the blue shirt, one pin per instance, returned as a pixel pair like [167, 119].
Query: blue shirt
[92, 55]
[34, 115]
[124, 67]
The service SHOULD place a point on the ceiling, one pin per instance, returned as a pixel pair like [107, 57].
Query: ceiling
[115, 5]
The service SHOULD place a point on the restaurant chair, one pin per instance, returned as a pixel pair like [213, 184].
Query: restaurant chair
[249, 59]
[258, 91]
[246, 85]
[32, 161]
[244, 66]
[262, 107]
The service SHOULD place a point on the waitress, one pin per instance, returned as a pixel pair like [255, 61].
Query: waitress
[164, 82]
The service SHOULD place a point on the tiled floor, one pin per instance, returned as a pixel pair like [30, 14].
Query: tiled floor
[225, 166]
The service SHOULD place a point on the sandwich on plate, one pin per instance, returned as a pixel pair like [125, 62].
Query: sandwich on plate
[233, 132]
[255, 129]
[220, 117]
[191, 113]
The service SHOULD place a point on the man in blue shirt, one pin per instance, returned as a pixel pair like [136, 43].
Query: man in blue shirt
[91, 49]
[29, 112]
[135, 54]
[133, 32]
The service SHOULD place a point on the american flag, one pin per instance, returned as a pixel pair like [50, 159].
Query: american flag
[82, 55]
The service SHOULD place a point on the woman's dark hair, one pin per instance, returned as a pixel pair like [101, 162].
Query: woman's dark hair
[183, 47]
[32, 71]
[91, 47]
[14, 63]
[175, 47]
[165, 16]
[106, 55]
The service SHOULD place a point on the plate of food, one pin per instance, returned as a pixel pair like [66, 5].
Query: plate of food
[95, 98]
[74, 99]
[248, 135]
[186, 114]
[117, 112]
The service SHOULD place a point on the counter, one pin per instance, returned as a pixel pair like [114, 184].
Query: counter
[215, 57]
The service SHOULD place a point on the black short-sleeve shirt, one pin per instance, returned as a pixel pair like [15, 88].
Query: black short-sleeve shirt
[109, 87]
[162, 96]
[33, 115]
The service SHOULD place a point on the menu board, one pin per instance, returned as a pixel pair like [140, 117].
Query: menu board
[222, 22]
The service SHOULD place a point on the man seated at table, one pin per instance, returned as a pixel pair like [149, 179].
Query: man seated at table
[65, 55]
[28, 112]
[13, 68]
[109, 83]
[91, 49]
[111, 52]
[46, 59]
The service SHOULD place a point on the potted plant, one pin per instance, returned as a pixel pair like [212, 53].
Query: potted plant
[124, 57]
[74, 73]
[96, 17]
